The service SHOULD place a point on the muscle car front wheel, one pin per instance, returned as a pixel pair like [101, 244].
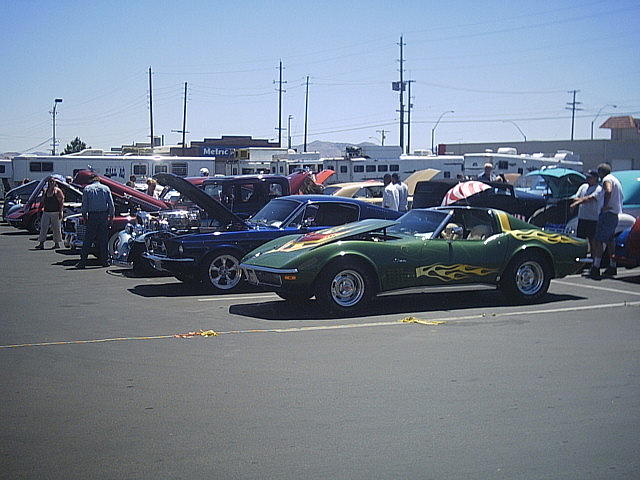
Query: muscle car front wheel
[345, 286]
[221, 271]
[526, 278]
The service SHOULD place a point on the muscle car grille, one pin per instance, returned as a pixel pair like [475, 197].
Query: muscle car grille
[263, 278]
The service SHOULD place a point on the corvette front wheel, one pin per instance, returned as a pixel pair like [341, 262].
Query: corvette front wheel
[345, 287]
[526, 278]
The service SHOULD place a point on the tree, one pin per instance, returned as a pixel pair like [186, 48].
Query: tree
[76, 145]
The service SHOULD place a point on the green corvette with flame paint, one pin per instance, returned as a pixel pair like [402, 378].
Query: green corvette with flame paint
[346, 266]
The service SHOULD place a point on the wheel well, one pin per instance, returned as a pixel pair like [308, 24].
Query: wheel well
[366, 263]
[222, 250]
[537, 250]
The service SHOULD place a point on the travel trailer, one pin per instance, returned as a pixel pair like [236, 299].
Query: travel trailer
[117, 167]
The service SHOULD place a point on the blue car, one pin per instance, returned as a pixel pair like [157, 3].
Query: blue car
[214, 258]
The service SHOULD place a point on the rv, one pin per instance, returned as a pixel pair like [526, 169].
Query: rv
[117, 167]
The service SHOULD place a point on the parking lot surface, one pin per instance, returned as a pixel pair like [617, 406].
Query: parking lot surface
[99, 380]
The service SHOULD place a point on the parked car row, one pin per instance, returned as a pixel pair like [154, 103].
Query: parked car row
[222, 232]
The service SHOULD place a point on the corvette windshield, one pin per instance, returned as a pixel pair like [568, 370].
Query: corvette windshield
[274, 213]
[422, 223]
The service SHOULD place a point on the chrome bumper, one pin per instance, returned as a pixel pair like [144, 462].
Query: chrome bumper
[156, 260]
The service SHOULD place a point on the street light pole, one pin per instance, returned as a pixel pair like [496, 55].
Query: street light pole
[516, 125]
[434, 128]
[598, 114]
[53, 113]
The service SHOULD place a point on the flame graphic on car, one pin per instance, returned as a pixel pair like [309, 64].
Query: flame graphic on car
[448, 273]
[313, 239]
[550, 238]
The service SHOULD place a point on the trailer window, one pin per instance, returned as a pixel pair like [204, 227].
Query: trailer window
[371, 168]
[358, 168]
[140, 170]
[179, 169]
[160, 169]
[343, 169]
[41, 166]
[383, 168]
[503, 165]
[330, 167]
[2, 170]
[394, 168]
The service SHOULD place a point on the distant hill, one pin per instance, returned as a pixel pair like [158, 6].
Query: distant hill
[329, 149]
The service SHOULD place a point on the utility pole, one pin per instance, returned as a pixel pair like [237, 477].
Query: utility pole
[53, 113]
[572, 107]
[382, 135]
[401, 94]
[280, 91]
[306, 114]
[150, 111]
[184, 121]
[409, 107]
[289, 131]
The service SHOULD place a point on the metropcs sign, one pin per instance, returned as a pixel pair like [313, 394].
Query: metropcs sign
[218, 151]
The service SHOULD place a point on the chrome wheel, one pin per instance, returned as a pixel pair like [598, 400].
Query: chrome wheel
[224, 272]
[530, 277]
[347, 288]
[114, 245]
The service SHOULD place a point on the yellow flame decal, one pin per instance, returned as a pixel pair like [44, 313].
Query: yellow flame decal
[504, 221]
[550, 238]
[449, 273]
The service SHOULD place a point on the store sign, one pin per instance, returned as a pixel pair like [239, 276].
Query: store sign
[218, 151]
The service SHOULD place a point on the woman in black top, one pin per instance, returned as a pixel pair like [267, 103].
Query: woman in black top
[53, 201]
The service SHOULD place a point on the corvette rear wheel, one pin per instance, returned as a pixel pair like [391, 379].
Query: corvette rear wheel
[345, 287]
[221, 272]
[526, 278]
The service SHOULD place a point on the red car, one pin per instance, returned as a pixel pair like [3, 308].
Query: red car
[28, 216]
[127, 202]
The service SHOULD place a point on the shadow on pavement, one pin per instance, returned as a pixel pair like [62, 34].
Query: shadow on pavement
[391, 304]
[181, 289]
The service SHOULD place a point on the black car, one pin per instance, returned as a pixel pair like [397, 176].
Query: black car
[17, 196]
[214, 258]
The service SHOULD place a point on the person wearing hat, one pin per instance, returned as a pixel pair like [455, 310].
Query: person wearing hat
[488, 175]
[97, 211]
[589, 200]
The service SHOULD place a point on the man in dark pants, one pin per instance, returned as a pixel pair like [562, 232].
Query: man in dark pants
[97, 212]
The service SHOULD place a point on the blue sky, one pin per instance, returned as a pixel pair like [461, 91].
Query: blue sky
[494, 63]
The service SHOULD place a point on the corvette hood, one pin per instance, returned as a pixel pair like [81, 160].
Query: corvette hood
[213, 207]
[334, 234]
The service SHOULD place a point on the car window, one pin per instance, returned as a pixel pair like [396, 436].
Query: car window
[420, 223]
[476, 224]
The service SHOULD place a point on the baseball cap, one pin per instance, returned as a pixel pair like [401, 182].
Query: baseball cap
[592, 173]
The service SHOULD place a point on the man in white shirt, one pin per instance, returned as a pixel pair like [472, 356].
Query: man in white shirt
[403, 192]
[589, 199]
[390, 195]
[607, 221]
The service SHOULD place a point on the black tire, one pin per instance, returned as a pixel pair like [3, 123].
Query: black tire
[141, 266]
[34, 224]
[220, 272]
[526, 279]
[345, 286]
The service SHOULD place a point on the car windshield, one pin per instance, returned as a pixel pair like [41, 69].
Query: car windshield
[330, 190]
[419, 223]
[533, 184]
[274, 213]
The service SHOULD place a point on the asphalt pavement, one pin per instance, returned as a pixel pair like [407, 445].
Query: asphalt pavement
[95, 383]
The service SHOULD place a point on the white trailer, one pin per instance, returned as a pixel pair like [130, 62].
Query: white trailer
[118, 167]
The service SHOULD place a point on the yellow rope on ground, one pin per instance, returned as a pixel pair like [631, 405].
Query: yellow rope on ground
[422, 322]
